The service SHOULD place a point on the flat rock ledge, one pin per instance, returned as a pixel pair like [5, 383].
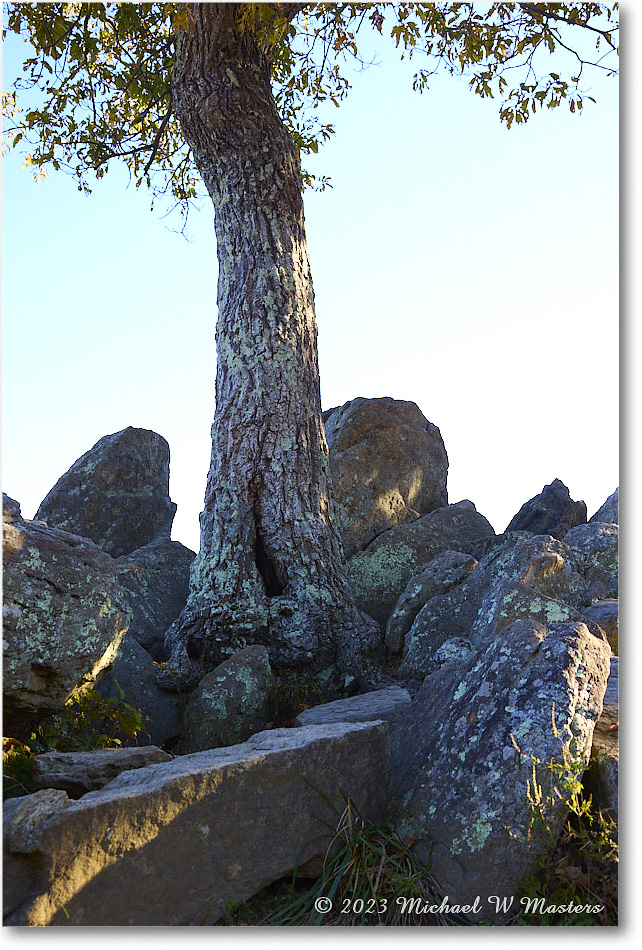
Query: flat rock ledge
[385, 704]
[172, 844]
[79, 772]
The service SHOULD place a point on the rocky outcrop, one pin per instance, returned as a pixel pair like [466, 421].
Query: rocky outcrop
[64, 615]
[156, 581]
[116, 494]
[380, 573]
[467, 749]
[173, 844]
[80, 772]
[136, 676]
[609, 513]
[537, 573]
[388, 463]
[230, 703]
[553, 512]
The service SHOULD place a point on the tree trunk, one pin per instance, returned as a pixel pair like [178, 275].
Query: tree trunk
[271, 567]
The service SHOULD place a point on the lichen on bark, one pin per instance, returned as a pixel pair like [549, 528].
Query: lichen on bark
[271, 567]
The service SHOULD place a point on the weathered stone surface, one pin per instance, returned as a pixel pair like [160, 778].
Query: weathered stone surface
[458, 778]
[605, 753]
[606, 614]
[230, 703]
[156, 580]
[609, 513]
[553, 512]
[508, 601]
[116, 494]
[79, 772]
[595, 549]
[539, 562]
[384, 704]
[135, 673]
[389, 465]
[64, 616]
[174, 843]
[381, 572]
[444, 572]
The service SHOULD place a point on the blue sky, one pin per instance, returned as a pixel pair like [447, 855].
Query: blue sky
[468, 268]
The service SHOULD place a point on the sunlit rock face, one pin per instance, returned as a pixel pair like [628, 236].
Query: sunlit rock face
[64, 615]
[389, 465]
[116, 494]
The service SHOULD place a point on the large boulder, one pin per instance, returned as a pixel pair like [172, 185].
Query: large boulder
[469, 611]
[553, 512]
[116, 494]
[609, 513]
[64, 615]
[231, 703]
[135, 676]
[156, 580]
[466, 752]
[388, 463]
[80, 772]
[173, 844]
[595, 549]
[380, 573]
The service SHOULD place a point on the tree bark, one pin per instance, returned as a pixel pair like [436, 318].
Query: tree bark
[271, 567]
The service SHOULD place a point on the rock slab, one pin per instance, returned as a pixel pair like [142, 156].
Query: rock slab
[174, 843]
[79, 772]
[116, 494]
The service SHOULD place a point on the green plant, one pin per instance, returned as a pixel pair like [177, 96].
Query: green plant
[16, 768]
[579, 867]
[369, 878]
[87, 721]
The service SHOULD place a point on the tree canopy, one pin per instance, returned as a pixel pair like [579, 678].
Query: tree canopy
[97, 78]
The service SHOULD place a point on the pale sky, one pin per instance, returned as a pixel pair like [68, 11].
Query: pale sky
[468, 268]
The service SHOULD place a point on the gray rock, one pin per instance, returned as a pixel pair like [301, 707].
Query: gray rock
[595, 549]
[466, 752]
[79, 772]
[457, 648]
[541, 563]
[444, 572]
[553, 512]
[381, 572]
[609, 513]
[116, 494]
[173, 844]
[156, 580]
[230, 703]
[606, 614]
[136, 674]
[509, 601]
[384, 704]
[388, 464]
[64, 616]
